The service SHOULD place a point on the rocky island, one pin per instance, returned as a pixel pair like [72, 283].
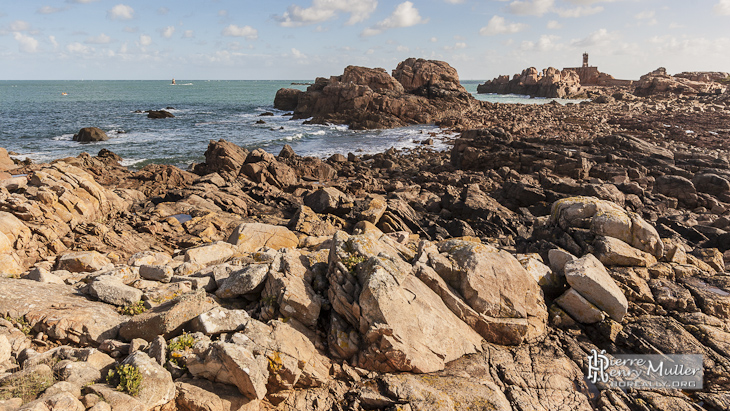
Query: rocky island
[481, 277]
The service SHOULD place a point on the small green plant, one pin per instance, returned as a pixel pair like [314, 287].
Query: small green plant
[269, 301]
[181, 343]
[352, 260]
[21, 323]
[127, 378]
[133, 309]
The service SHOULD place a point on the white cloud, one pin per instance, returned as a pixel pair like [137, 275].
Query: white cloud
[53, 41]
[49, 10]
[100, 39]
[405, 15]
[433, 39]
[78, 48]
[600, 37]
[222, 13]
[554, 25]
[323, 10]
[545, 43]
[168, 31]
[82, 1]
[188, 34]
[531, 7]
[498, 25]
[647, 17]
[246, 31]
[460, 45]
[589, 2]
[722, 8]
[121, 12]
[579, 11]
[26, 44]
[19, 25]
[675, 26]
[402, 49]
[145, 40]
[298, 54]
[455, 1]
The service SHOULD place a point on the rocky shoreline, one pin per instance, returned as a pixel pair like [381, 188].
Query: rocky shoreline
[477, 278]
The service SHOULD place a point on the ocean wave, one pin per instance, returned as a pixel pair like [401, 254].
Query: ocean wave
[128, 162]
[63, 137]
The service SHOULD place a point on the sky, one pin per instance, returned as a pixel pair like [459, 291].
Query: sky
[304, 39]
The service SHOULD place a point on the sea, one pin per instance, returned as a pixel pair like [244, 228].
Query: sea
[39, 118]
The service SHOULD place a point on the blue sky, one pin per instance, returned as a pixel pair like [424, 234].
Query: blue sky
[303, 39]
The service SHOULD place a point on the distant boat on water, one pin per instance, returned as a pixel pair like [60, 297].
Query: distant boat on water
[173, 81]
[64, 94]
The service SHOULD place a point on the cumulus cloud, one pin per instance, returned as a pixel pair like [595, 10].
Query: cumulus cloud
[49, 10]
[26, 44]
[531, 7]
[168, 31]
[323, 10]
[405, 15]
[53, 41]
[545, 43]
[298, 54]
[121, 12]
[19, 25]
[722, 8]
[498, 25]
[647, 17]
[600, 37]
[248, 32]
[188, 34]
[81, 1]
[554, 25]
[589, 2]
[455, 1]
[145, 40]
[100, 39]
[78, 48]
[579, 11]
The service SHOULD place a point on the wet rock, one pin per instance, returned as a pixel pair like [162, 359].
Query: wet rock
[287, 99]
[159, 114]
[89, 134]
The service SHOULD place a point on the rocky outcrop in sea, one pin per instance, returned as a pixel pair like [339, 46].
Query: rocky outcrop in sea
[477, 278]
[551, 82]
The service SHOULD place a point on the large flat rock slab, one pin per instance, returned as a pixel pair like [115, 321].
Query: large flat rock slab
[59, 311]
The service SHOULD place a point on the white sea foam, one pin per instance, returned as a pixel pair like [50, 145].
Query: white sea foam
[127, 162]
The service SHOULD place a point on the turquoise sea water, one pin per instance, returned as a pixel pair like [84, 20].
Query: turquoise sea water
[37, 120]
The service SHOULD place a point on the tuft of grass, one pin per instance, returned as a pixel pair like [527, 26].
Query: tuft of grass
[127, 378]
[21, 323]
[133, 309]
[352, 260]
[26, 388]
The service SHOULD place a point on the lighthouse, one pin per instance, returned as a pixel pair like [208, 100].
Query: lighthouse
[585, 59]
